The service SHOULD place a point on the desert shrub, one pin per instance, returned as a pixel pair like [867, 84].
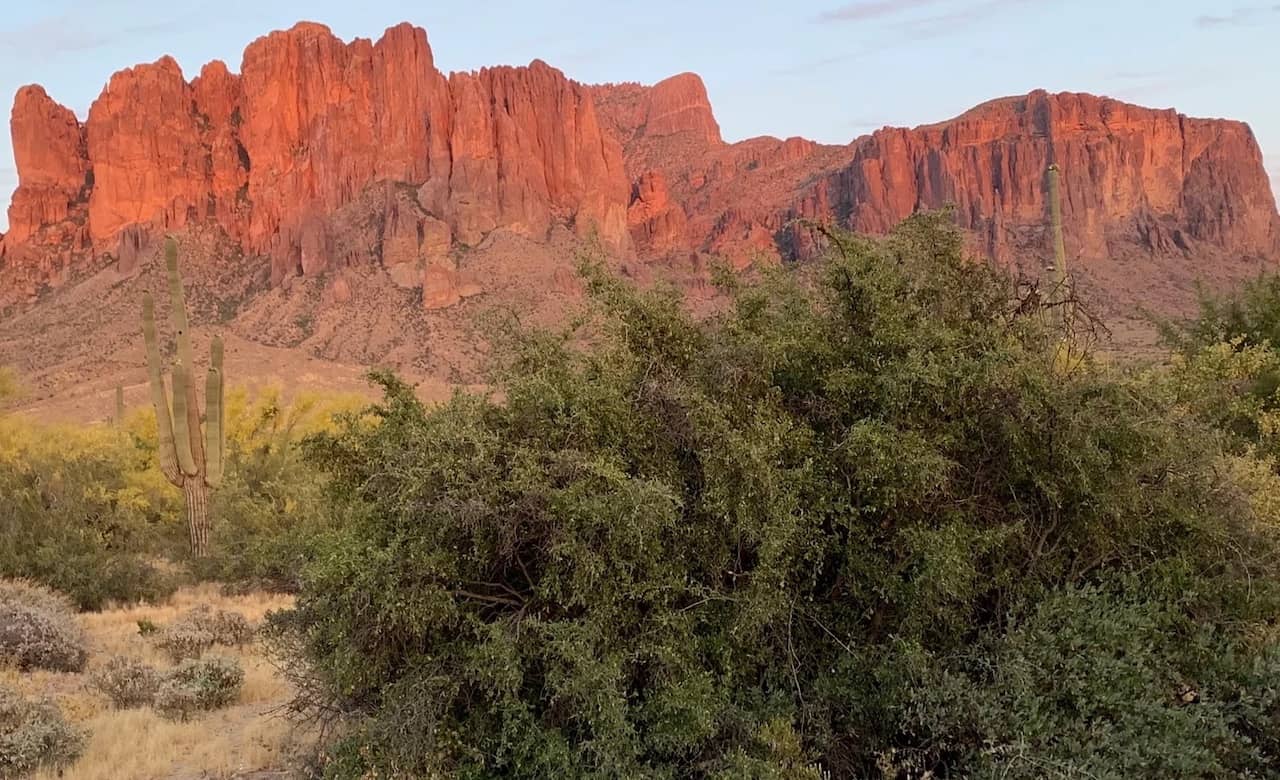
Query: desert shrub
[34, 735]
[1249, 316]
[34, 595]
[174, 700]
[860, 523]
[127, 682]
[231, 628]
[87, 511]
[200, 629]
[147, 627]
[38, 629]
[184, 641]
[271, 504]
[196, 685]
[80, 513]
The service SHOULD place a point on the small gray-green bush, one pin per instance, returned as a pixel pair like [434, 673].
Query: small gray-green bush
[34, 735]
[38, 629]
[199, 684]
[127, 682]
[181, 642]
[175, 701]
[201, 628]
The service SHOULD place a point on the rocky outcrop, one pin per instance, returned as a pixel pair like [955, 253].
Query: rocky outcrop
[680, 105]
[1154, 179]
[1135, 180]
[309, 126]
[658, 224]
[322, 154]
[49, 151]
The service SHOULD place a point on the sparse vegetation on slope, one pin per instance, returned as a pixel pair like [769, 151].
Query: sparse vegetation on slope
[868, 527]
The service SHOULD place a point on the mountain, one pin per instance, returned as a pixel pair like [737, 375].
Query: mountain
[364, 177]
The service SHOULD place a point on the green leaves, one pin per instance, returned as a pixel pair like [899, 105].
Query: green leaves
[850, 524]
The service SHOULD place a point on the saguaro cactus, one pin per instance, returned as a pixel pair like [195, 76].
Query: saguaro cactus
[1061, 291]
[188, 460]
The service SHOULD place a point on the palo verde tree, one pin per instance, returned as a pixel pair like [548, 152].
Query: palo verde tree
[188, 461]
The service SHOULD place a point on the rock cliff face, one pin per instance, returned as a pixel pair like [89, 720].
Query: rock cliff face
[309, 125]
[322, 154]
[1156, 180]
[1135, 179]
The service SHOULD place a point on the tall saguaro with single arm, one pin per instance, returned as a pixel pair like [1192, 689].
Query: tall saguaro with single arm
[189, 460]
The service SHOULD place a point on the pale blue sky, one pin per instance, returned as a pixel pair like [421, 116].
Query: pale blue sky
[825, 69]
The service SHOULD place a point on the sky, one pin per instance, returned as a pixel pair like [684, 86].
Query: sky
[829, 70]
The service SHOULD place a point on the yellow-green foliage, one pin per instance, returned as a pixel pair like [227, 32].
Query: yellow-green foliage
[80, 509]
[8, 384]
[87, 506]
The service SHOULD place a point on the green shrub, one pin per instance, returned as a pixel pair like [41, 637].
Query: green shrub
[861, 523]
[79, 513]
[196, 685]
[127, 682]
[34, 735]
[270, 504]
[38, 629]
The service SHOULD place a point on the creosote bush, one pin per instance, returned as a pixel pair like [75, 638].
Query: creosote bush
[33, 736]
[860, 524]
[127, 682]
[38, 629]
[199, 685]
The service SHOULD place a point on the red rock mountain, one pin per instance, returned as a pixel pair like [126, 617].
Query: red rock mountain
[322, 154]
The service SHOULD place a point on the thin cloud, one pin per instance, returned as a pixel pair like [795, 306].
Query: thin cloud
[68, 34]
[870, 9]
[809, 66]
[1243, 15]
[952, 21]
[929, 26]
[53, 34]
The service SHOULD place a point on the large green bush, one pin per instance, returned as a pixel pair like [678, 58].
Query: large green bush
[861, 523]
[79, 513]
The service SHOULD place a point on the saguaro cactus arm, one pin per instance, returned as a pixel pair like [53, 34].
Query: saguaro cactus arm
[1055, 218]
[182, 419]
[215, 416]
[178, 299]
[164, 422]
